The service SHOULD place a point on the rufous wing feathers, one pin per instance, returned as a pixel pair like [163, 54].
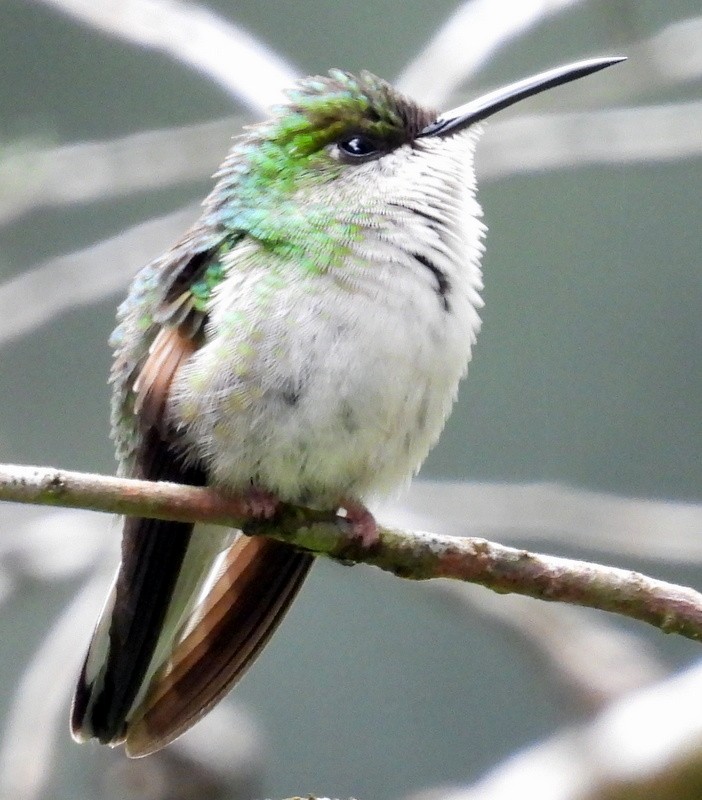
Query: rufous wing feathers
[259, 581]
[153, 553]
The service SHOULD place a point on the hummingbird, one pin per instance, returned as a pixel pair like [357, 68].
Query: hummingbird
[303, 342]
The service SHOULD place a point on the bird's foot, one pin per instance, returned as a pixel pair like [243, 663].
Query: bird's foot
[259, 503]
[363, 524]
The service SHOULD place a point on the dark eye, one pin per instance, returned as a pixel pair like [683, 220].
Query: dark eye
[358, 148]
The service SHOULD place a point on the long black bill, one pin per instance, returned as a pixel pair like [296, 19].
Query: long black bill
[489, 104]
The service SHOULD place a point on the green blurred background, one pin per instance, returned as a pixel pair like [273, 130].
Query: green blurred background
[588, 371]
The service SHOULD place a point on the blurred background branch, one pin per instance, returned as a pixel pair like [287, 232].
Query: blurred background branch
[194, 35]
[34, 177]
[466, 41]
[83, 271]
[647, 745]
[589, 662]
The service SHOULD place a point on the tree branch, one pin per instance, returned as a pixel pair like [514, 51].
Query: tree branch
[413, 555]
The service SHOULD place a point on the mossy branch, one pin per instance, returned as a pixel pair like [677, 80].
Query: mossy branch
[408, 554]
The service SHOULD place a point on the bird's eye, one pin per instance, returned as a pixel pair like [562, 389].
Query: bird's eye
[357, 148]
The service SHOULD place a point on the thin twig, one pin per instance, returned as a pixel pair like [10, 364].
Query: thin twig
[413, 555]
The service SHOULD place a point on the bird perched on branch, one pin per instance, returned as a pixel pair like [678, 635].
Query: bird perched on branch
[302, 342]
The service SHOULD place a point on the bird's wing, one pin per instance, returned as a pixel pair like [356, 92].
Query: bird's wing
[162, 564]
[139, 680]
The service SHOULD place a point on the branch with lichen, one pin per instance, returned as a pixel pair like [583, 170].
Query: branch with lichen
[408, 554]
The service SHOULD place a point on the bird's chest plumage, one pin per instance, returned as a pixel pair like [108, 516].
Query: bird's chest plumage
[323, 386]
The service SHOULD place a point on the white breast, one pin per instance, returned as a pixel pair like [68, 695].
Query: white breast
[337, 385]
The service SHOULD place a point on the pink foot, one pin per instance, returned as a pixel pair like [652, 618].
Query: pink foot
[259, 503]
[363, 525]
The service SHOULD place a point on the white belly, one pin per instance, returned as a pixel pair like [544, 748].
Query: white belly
[323, 391]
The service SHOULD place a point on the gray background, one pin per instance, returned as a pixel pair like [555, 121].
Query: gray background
[587, 372]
